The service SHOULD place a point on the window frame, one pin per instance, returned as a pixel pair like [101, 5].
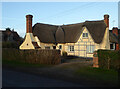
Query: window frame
[71, 48]
[113, 46]
[90, 49]
[85, 35]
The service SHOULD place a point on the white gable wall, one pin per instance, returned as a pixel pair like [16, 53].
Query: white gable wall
[105, 44]
[27, 44]
[37, 40]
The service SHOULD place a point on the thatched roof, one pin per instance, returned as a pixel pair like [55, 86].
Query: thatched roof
[96, 29]
[45, 32]
[68, 33]
[72, 32]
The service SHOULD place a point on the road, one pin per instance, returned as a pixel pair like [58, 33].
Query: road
[11, 78]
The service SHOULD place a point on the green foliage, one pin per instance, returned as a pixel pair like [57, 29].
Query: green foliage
[32, 56]
[109, 59]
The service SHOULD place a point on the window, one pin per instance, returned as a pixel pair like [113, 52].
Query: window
[90, 48]
[47, 47]
[85, 35]
[112, 46]
[71, 48]
[60, 47]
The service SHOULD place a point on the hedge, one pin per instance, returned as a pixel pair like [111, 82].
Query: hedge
[109, 59]
[10, 44]
[40, 56]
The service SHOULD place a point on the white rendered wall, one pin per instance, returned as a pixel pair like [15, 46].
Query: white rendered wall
[27, 44]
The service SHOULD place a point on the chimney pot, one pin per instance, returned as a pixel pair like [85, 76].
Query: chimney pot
[29, 16]
[106, 16]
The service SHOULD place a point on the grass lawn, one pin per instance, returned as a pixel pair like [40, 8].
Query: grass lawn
[98, 75]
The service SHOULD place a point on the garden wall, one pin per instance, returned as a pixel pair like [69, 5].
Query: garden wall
[41, 56]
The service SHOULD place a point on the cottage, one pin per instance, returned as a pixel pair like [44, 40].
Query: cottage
[80, 39]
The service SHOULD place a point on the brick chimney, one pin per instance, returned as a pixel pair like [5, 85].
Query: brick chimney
[29, 23]
[106, 19]
[115, 31]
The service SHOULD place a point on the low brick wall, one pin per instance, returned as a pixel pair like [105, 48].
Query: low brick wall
[41, 56]
[95, 60]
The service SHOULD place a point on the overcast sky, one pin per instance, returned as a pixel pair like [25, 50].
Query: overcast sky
[56, 13]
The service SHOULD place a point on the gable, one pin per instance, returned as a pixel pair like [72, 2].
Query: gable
[96, 29]
[85, 39]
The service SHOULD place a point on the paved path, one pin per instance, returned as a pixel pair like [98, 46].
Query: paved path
[19, 79]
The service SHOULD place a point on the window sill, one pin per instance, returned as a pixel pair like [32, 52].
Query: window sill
[112, 49]
[84, 37]
[89, 53]
[71, 51]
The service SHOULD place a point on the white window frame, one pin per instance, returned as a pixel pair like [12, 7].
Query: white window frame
[113, 46]
[90, 48]
[71, 48]
[85, 35]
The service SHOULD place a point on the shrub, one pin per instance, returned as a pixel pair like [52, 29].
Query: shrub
[32, 56]
[109, 59]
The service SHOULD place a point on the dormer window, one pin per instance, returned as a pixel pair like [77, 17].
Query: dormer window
[85, 35]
